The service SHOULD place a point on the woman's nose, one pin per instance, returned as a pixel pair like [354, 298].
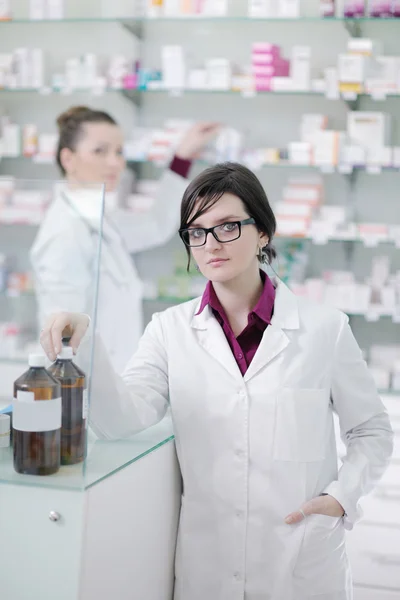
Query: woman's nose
[211, 242]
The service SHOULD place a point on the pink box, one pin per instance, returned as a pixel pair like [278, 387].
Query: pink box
[265, 59]
[280, 69]
[263, 84]
[266, 48]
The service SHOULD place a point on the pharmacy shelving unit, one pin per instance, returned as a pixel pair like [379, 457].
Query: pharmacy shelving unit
[371, 191]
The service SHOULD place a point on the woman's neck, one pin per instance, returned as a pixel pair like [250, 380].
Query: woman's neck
[239, 296]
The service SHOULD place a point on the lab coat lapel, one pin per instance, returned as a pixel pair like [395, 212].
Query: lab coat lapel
[211, 337]
[275, 338]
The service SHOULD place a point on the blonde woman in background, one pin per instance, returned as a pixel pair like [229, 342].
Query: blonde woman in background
[63, 256]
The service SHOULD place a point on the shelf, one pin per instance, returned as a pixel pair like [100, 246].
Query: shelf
[200, 19]
[103, 460]
[134, 94]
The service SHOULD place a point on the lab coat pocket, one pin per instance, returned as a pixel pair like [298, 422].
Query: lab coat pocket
[300, 424]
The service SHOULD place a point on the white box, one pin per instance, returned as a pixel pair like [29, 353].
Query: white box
[300, 153]
[310, 123]
[369, 129]
[365, 46]
[332, 83]
[219, 74]
[5, 10]
[172, 8]
[380, 156]
[289, 9]
[328, 147]
[37, 10]
[282, 84]
[353, 155]
[352, 68]
[37, 68]
[173, 67]
[216, 8]
[154, 8]
[261, 8]
[11, 140]
[55, 9]
[300, 67]
[22, 67]
[396, 156]
[327, 8]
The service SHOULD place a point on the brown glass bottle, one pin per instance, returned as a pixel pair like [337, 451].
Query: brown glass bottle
[74, 407]
[37, 420]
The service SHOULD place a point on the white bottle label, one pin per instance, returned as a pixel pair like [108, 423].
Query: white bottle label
[85, 405]
[36, 416]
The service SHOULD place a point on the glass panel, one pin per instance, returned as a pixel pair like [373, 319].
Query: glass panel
[50, 243]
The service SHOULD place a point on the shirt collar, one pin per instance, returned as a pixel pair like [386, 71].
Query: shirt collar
[263, 309]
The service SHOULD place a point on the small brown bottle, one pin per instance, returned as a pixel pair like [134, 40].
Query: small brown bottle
[74, 406]
[37, 420]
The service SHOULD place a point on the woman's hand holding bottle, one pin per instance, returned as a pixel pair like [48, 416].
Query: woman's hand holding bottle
[59, 326]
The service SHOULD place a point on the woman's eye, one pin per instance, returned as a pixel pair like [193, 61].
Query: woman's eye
[229, 227]
[196, 233]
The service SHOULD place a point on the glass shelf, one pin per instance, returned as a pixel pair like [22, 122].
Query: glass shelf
[201, 19]
[104, 458]
[134, 94]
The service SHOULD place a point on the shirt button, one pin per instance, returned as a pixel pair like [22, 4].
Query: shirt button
[240, 356]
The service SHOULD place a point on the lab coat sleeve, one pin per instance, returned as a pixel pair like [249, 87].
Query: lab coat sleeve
[364, 425]
[122, 405]
[63, 276]
[142, 231]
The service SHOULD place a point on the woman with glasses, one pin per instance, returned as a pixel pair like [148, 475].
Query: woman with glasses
[253, 375]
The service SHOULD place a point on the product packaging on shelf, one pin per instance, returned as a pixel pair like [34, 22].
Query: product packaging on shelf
[5, 10]
[354, 8]
[327, 8]
[380, 8]
[173, 67]
[37, 420]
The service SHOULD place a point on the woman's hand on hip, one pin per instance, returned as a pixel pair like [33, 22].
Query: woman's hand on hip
[59, 325]
[322, 505]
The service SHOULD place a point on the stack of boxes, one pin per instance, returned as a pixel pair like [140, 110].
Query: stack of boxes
[300, 200]
[266, 64]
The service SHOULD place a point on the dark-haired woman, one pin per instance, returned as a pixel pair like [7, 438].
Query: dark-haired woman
[63, 257]
[253, 375]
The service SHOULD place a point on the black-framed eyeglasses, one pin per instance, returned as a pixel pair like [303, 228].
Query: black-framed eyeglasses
[226, 232]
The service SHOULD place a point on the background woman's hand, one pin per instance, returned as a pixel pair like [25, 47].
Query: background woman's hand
[59, 325]
[196, 139]
[322, 505]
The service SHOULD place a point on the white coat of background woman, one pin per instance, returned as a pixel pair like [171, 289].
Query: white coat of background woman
[63, 256]
[253, 375]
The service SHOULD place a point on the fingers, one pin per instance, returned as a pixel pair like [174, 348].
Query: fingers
[309, 508]
[78, 335]
[52, 334]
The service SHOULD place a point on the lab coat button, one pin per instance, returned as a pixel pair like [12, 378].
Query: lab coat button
[237, 576]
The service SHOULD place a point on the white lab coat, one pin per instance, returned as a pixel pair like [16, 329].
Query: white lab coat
[254, 448]
[64, 261]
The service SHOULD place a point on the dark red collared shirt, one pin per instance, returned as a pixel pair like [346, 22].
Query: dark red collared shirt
[245, 345]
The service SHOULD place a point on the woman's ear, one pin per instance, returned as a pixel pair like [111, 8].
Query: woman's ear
[67, 159]
[264, 239]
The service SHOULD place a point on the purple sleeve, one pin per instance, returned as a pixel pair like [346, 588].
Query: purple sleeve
[180, 166]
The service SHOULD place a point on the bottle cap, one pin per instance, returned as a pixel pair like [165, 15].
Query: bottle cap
[37, 360]
[66, 353]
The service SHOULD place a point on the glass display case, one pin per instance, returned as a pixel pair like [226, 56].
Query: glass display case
[53, 256]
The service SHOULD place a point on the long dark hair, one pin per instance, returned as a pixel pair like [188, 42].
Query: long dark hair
[236, 179]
